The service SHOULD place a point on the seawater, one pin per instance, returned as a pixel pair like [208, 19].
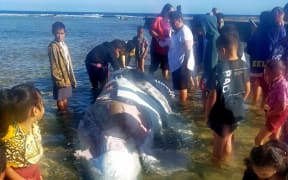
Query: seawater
[23, 58]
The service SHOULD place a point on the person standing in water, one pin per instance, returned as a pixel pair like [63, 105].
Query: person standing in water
[61, 67]
[160, 32]
[180, 56]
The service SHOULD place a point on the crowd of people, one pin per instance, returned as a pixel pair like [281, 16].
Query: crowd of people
[211, 58]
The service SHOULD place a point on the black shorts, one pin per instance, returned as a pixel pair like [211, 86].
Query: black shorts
[158, 59]
[220, 118]
[180, 78]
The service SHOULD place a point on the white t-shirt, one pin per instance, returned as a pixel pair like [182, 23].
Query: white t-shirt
[176, 52]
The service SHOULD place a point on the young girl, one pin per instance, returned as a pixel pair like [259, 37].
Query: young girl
[22, 141]
[61, 67]
[276, 103]
[268, 161]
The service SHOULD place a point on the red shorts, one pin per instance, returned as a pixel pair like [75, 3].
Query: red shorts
[273, 123]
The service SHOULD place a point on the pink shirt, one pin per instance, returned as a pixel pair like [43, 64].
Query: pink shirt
[277, 94]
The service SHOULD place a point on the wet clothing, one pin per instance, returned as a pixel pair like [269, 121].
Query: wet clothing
[210, 57]
[277, 95]
[61, 68]
[97, 62]
[229, 81]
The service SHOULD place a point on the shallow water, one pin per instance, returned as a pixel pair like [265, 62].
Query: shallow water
[23, 58]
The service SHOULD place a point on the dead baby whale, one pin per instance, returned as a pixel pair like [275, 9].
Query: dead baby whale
[131, 128]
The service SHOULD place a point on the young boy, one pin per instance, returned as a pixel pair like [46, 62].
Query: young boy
[276, 102]
[61, 67]
[228, 90]
[141, 43]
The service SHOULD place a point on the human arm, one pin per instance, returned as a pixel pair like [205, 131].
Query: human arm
[155, 30]
[247, 90]
[211, 99]
[11, 174]
[146, 46]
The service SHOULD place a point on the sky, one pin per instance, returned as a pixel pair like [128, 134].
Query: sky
[239, 7]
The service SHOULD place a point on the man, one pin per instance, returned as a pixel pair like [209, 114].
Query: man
[99, 58]
[180, 55]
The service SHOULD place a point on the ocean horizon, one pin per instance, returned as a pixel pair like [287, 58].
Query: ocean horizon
[96, 14]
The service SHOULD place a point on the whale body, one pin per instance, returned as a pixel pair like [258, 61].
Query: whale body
[125, 131]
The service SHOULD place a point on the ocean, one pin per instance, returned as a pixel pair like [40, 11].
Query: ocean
[24, 39]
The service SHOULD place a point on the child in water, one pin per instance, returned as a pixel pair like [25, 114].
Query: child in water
[141, 43]
[268, 161]
[22, 141]
[276, 103]
[228, 90]
[61, 67]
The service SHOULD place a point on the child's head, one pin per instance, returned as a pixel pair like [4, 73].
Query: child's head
[58, 30]
[278, 15]
[268, 159]
[119, 47]
[227, 46]
[2, 162]
[273, 69]
[26, 102]
[140, 30]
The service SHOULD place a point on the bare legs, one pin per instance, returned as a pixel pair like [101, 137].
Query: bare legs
[183, 96]
[62, 104]
[222, 145]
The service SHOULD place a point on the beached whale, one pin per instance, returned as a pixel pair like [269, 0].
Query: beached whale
[131, 127]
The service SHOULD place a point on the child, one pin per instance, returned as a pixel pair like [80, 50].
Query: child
[276, 102]
[268, 161]
[141, 43]
[227, 92]
[22, 142]
[2, 163]
[61, 67]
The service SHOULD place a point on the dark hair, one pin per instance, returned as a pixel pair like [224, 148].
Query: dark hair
[175, 15]
[118, 44]
[265, 19]
[219, 16]
[227, 41]
[166, 8]
[56, 26]
[273, 153]
[275, 65]
[130, 45]
[3, 160]
[23, 97]
[6, 117]
[140, 27]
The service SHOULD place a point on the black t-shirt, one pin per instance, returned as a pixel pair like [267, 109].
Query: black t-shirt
[229, 79]
[103, 54]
